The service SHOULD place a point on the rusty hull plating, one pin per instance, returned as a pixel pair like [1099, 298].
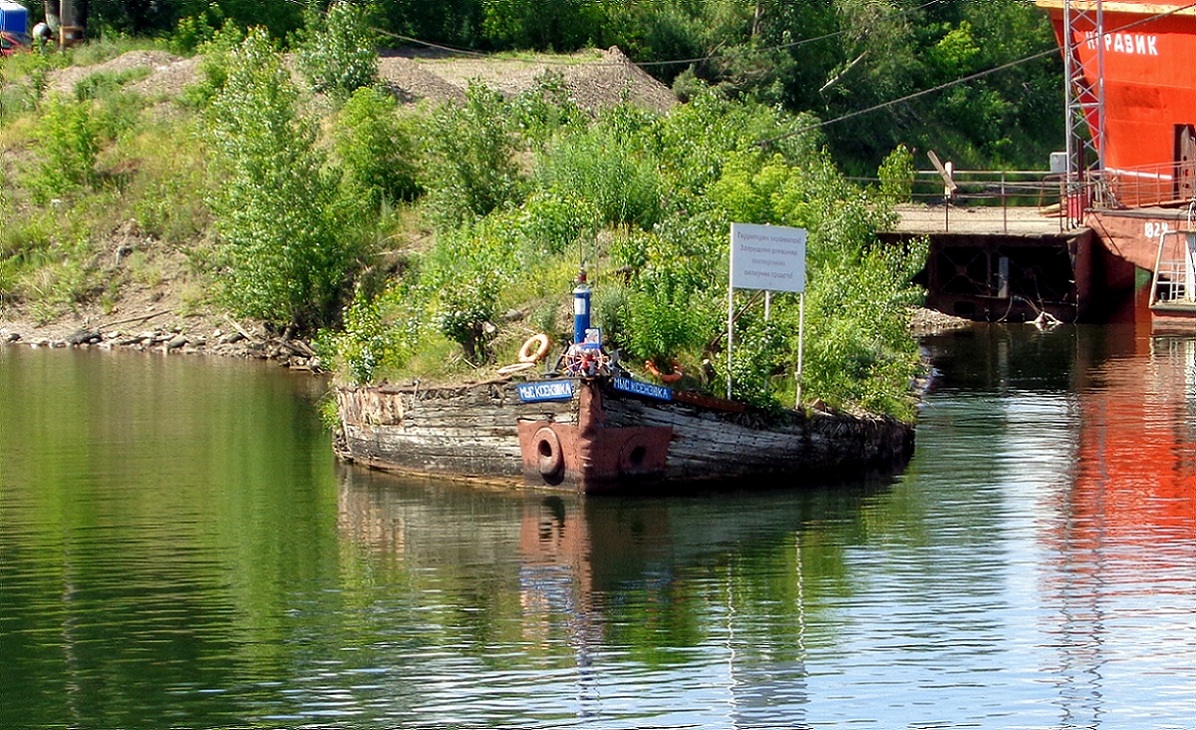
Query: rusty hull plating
[591, 455]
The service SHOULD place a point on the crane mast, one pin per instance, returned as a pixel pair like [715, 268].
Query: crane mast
[1084, 97]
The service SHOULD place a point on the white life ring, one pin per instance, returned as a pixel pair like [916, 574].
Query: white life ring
[515, 367]
[540, 343]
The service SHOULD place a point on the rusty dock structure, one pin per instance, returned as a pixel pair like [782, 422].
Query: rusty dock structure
[1007, 263]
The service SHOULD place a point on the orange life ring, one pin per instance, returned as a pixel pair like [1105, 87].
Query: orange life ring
[672, 377]
[540, 342]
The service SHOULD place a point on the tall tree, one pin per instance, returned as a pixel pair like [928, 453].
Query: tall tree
[283, 253]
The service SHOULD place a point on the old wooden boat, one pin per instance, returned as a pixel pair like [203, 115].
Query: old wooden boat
[587, 425]
[605, 433]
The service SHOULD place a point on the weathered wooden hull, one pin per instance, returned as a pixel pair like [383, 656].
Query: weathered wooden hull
[604, 440]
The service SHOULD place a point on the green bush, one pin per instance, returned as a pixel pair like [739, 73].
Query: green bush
[68, 144]
[859, 351]
[376, 153]
[113, 111]
[24, 78]
[286, 244]
[896, 175]
[762, 353]
[336, 53]
[193, 31]
[545, 109]
[470, 168]
[660, 329]
[101, 85]
[620, 182]
[216, 54]
[466, 316]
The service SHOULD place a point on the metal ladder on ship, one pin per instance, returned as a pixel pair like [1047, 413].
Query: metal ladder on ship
[1174, 282]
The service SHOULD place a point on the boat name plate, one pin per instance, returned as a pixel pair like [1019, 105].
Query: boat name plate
[545, 390]
[639, 387]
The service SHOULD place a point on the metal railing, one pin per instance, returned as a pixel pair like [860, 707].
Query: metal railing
[1005, 189]
[1165, 184]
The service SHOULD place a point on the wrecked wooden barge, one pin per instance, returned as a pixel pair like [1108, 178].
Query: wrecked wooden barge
[606, 434]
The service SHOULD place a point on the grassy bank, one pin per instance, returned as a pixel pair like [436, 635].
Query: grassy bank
[431, 239]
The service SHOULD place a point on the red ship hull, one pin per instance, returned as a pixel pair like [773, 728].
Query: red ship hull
[1149, 59]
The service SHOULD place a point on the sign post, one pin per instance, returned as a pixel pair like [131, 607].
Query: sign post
[771, 258]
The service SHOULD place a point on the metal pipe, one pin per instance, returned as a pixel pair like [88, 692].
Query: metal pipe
[53, 19]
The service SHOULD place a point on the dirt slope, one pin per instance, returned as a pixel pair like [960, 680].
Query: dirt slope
[159, 317]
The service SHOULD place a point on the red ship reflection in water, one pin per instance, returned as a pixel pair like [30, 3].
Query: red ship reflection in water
[1122, 535]
[1135, 474]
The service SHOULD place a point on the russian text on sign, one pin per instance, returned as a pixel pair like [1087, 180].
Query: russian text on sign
[768, 257]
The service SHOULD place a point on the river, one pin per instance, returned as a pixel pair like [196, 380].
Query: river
[178, 548]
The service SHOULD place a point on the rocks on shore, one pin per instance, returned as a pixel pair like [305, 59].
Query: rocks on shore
[291, 353]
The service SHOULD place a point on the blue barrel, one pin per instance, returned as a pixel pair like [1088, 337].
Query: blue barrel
[14, 18]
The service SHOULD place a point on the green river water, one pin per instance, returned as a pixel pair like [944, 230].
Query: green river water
[179, 549]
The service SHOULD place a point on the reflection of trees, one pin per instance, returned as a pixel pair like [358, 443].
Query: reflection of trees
[150, 531]
[655, 582]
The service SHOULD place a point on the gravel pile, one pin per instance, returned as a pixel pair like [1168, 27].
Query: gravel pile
[595, 79]
[64, 80]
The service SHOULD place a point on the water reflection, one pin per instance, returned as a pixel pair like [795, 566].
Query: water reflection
[616, 600]
[1122, 535]
[177, 548]
[1114, 531]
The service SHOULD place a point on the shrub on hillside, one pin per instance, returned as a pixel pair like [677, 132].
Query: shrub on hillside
[67, 142]
[619, 181]
[376, 153]
[470, 167]
[336, 53]
[283, 251]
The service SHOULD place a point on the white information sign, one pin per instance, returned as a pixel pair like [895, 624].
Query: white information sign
[772, 258]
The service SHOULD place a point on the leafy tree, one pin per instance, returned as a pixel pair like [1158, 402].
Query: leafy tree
[283, 252]
[562, 25]
[193, 31]
[837, 58]
[337, 51]
[149, 17]
[450, 22]
[471, 167]
[376, 152]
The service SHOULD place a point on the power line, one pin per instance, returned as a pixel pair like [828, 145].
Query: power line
[644, 64]
[963, 80]
[907, 97]
[791, 44]
[794, 44]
